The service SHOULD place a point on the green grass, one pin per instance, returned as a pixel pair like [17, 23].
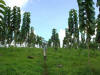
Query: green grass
[74, 62]
[15, 61]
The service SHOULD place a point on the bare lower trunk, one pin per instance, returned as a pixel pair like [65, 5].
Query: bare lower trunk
[15, 44]
[5, 44]
[88, 56]
[99, 9]
[88, 44]
[9, 45]
[20, 44]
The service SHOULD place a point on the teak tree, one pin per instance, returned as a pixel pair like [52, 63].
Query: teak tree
[55, 39]
[2, 13]
[87, 19]
[98, 23]
[73, 27]
[8, 26]
[16, 20]
[25, 27]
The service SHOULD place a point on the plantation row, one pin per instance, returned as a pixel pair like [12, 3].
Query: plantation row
[12, 30]
[82, 28]
[85, 25]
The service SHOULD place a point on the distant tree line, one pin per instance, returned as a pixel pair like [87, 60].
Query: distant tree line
[11, 29]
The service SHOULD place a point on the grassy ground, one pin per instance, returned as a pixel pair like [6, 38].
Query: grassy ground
[15, 61]
[73, 62]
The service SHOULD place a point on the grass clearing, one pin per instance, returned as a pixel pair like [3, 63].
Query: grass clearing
[15, 61]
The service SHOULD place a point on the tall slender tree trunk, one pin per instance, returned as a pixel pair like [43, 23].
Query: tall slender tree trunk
[88, 45]
[5, 44]
[28, 40]
[15, 43]
[20, 44]
[99, 10]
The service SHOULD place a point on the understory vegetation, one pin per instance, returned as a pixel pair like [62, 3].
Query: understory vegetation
[30, 61]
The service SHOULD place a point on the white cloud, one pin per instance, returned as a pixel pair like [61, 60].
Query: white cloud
[61, 36]
[19, 3]
[22, 12]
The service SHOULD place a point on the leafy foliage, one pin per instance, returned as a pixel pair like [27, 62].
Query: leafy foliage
[73, 31]
[8, 31]
[25, 27]
[98, 24]
[2, 13]
[87, 17]
[98, 2]
[66, 41]
[2, 9]
[16, 20]
[32, 38]
[54, 41]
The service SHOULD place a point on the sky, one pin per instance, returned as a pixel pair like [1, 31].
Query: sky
[47, 14]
